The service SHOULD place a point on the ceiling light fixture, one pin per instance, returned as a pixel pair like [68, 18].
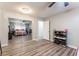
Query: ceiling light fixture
[25, 10]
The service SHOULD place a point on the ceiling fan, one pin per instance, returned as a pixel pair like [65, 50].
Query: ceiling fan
[52, 3]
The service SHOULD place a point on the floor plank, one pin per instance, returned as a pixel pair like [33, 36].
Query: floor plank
[25, 46]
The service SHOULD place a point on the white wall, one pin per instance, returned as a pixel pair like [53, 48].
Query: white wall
[3, 30]
[4, 15]
[67, 20]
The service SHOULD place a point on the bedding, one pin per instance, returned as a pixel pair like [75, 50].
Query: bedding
[78, 52]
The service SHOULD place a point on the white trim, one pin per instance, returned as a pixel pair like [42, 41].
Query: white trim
[36, 39]
[51, 40]
[75, 47]
[3, 45]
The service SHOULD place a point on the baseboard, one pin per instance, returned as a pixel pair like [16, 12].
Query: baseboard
[51, 40]
[72, 46]
[3, 45]
[36, 39]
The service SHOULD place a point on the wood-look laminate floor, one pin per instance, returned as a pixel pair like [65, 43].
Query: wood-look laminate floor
[23, 47]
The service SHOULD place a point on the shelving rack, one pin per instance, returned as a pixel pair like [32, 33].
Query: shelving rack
[60, 37]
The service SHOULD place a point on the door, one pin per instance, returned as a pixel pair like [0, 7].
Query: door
[40, 29]
[46, 29]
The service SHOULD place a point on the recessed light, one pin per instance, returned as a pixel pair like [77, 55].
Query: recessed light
[25, 10]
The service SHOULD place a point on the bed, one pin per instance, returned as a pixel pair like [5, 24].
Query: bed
[78, 52]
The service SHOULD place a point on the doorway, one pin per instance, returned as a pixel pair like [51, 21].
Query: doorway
[43, 29]
[46, 29]
[19, 30]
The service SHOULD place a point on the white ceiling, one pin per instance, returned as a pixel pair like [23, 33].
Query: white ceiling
[40, 9]
[37, 7]
[58, 8]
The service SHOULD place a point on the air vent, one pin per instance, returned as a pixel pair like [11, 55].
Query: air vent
[66, 4]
